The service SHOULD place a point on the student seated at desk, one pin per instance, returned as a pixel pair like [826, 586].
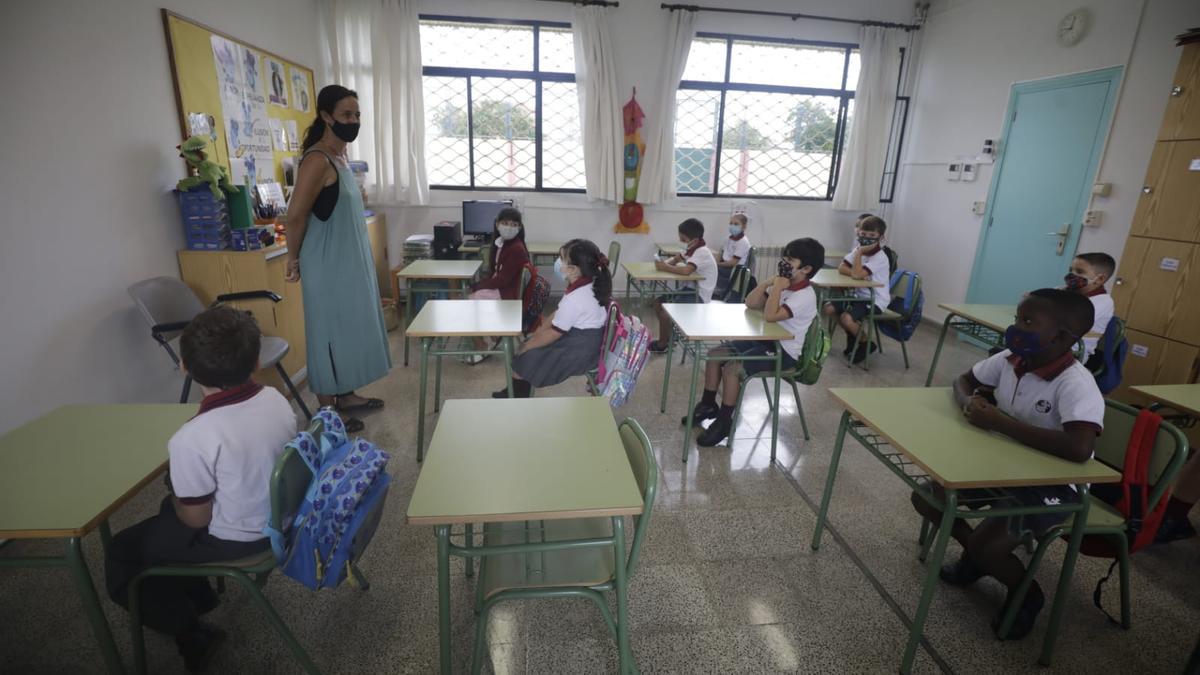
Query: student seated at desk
[569, 343]
[695, 259]
[1087, 276]
[788, 300]
[734, 252]
[1036, 393]
[509, 257]
[868, 260]
[220, 479]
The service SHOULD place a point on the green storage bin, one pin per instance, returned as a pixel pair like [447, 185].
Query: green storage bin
[241, 216]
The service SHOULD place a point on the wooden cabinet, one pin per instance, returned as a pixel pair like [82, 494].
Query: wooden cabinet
[1182, 119]
[1157, 301]
[377, 233]
[1168, 207]
[1156, 360]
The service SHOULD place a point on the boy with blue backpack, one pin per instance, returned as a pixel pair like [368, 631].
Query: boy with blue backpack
[219, 476]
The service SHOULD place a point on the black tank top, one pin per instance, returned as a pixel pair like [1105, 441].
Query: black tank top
[327, 198]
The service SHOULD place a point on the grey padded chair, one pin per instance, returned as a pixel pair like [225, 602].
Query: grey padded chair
[168, 305]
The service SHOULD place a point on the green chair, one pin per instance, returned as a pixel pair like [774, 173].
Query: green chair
[899, 289]
[1170, 451]
[289, 482]
[578, 569]
[614, 257]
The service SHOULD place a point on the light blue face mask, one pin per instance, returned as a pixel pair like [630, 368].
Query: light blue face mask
[735, 230]
[558, 270]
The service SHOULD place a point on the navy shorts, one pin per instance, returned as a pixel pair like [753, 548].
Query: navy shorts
[1038, 495]
[760, 348]
[857, 310]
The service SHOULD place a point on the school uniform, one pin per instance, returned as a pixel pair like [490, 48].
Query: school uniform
[734, 247]
[1102, 304]
[509, 258]
[800, 302]
[1060, 395]
[880, 268]
[224, 455]
[706, 266]
[580, 320]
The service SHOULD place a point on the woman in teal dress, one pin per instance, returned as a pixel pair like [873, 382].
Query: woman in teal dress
[328, 246]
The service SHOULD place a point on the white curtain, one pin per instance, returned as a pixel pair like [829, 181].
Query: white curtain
[658, 165]
[599, 105]
[867, 142]
[374, 48]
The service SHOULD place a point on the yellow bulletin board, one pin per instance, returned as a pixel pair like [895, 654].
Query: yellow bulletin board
[240, 90]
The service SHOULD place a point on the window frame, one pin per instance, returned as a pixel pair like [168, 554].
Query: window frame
[844, 95]
[536, 75]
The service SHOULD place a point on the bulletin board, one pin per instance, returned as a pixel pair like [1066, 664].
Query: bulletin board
[229, 89]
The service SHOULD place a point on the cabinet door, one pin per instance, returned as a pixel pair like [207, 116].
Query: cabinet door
[1182, 118]
[289, 315]
[1126, 282]
[1155, 360]
[1158, 298]
[1184, 318]
[1169, 206]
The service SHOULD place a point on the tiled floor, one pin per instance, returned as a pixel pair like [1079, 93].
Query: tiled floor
[727, 581]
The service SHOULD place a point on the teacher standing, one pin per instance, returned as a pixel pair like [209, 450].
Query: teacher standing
[328, 245]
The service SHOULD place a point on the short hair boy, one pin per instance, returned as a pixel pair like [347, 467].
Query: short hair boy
[219, 476]
[868, 260]
[787, 299]
[1087, 276]
[1038, 394]
[695, 259]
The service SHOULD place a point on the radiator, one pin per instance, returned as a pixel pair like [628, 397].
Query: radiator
[766, 261]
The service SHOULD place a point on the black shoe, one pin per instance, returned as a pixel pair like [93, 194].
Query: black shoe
[1026, 614]
[961, 573]
[198, 646]
[503, 393]
[702, 412]
[657, 347]
[715, 433]
[861, 354]
[1174, 529]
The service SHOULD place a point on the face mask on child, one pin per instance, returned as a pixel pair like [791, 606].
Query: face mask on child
[785, 269]
[1022, 342]
[867, 242]
[734, 230]
[558, 269]
[508, 232]
[1075, 282]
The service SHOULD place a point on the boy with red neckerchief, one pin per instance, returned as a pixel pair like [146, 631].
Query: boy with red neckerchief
[1087, 276]
[220, 480]
[695, 259]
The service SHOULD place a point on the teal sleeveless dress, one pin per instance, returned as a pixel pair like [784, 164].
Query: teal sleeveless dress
[343, 319]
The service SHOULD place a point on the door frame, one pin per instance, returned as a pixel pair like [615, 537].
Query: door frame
[1111, 75]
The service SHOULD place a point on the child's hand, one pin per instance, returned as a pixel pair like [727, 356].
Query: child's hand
[662, 266]
[981, 413]
[780, 283]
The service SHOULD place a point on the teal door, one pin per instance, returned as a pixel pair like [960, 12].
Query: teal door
[1051, 144]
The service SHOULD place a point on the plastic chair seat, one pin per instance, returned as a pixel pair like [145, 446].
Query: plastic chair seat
[589, 567]
[272, 351]
[889, 315]
[1101, 516]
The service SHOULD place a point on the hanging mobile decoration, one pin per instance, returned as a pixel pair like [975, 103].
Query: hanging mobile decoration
[630, 215]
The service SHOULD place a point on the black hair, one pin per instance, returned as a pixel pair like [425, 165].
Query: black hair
[808, 251]
[585, 255]
[872, 223]
[692, 229]
[1101, 262]
[508, 213]
[220, 347]
[1074, 313]
[327, 101]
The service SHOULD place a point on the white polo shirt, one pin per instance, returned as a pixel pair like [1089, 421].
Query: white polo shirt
[1058, 394]
[800, 301]
[879, 267]
[706, 266]
[1102, 303]
[228, 453]
[736, 248]
[579, 309]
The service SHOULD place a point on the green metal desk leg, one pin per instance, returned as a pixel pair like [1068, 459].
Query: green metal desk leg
[697, 361]
[662, 406]
[437, 381]
[468, 541]
[932, 569]
[91, 606]
[425, 343]
[105, 535]
[937, 352]
[621, 583]
[830, 478]
[1064, 577]
[443, 564]
[509, 349]
[775, 410]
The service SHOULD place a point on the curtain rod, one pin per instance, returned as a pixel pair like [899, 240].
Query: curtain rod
[791, 15]
[598, 3]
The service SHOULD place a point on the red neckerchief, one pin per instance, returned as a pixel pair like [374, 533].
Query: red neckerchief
[693, 247]
[800, 285]
[578, 283]
[739, 236]
[230, 396]
[1047, 372]
[1094, 293]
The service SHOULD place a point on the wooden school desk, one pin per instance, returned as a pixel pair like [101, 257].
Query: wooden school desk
[548, 459]
[649, 281]
[833, 286]
[982, 322]
[714, 322]
[1184, 398]
[458, 272]
[921, 435]
[441, 320]
[64, 474]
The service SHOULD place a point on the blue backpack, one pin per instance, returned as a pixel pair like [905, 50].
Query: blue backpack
[909, 306]
[341, 509]
[1113, 349]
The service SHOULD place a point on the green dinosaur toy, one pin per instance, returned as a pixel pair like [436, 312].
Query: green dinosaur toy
[203, 169]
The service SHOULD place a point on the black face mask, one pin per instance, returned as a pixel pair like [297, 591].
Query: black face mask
[344, 131]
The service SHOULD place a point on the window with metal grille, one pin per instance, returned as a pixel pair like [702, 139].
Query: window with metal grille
[501, 109]
[767, 117]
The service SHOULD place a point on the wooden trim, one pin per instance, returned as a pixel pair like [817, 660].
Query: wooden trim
[529, 515]
[166, 19]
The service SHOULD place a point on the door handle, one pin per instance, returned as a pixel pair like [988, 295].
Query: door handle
[1062, 235]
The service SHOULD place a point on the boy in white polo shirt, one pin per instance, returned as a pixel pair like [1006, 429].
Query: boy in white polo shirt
[868, 260]
[695, 259]
[1036, 393]
[1087, 276]
[220, 479]
[787, 299]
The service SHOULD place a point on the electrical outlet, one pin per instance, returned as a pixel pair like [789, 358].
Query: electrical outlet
[1092, 218]
[954, 171]
[968, 172]
[978, 208]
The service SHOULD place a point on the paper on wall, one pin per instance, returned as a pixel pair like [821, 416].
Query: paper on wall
[278, 135]
[301, 96]
[292, 136]
[278, 82]
[244, 107]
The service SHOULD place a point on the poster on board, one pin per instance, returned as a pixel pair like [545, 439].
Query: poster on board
[244, 107]
[301, 96]
[279, 89]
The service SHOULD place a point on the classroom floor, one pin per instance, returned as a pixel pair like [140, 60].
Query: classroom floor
[727, 581]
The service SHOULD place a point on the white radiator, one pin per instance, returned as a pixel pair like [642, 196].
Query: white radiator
[766, 261]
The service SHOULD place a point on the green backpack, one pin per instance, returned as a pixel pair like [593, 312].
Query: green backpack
[813, 354]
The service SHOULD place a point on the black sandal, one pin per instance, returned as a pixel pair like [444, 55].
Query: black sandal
[354, 425]
[369, 404]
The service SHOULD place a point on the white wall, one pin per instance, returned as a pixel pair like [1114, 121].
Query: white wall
[90, 124]
[972, 52]
[638, 27]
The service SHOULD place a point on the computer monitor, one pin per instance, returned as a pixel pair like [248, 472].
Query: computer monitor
[479, 215]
